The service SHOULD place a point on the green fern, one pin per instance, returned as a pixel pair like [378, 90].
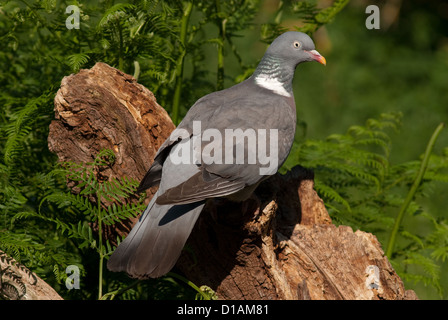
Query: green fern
[314, 17]
[430, 271]
[96, 202]
[77, 60]
[113, 14]
[20, 127]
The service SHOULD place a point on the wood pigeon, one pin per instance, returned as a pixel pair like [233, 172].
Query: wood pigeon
[228, 142]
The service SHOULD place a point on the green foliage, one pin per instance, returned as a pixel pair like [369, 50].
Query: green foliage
[314, 17]
[92, 194]
[308, 12]
[20, 186]
[78, 218]
[99, 203]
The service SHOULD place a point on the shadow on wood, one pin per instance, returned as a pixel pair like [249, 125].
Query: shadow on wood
[279, 244]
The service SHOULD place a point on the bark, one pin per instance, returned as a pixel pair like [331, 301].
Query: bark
[19, 283]
[279, 244]
[104, 108]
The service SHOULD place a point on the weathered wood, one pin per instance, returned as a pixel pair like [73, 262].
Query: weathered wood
[19, 283]
[104, 108]
[279, 244]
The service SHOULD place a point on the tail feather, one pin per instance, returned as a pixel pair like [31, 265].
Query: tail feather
[154, 244]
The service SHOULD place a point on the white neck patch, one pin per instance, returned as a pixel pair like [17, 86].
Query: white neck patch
[271, 84]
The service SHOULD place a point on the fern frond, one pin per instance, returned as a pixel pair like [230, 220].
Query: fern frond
[77, 60]
[116, 213]
[438, 239]
[114, 13]
[20, 127]
[117, 189]
[431, 270]
[105, 157]
[314, 17]
[329, 193]
[19, 245]
[63, 200]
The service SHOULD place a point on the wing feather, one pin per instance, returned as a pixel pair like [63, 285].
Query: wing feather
[197, 189]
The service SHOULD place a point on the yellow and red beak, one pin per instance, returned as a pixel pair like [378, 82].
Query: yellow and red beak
[316, 56]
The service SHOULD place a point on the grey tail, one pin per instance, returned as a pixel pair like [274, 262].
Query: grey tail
[155, 242]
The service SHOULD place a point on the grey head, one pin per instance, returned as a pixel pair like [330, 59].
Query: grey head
[276, 69]
[293, 48]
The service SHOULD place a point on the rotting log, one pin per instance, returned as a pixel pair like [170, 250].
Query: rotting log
[279, 244]
[104, 108]
[18, 283]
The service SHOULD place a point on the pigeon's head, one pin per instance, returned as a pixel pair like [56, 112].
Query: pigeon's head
[294, 47]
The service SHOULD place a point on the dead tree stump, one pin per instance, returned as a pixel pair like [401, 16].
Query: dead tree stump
[279, 244]
[104, 108]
